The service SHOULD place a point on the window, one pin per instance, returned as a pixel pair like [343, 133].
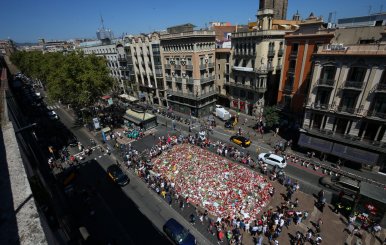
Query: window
[295, 48]
[328, 73]
[357, 74]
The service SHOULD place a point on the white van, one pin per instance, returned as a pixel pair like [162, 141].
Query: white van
[222, 114]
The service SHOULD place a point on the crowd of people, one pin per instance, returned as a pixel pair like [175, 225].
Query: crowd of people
[160, 172]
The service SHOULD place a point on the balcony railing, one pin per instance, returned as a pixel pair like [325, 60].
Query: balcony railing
[122, 58]
[294, 53]
[381, 88]
[202, 66]
[210, 65]
[271, 53]
[353, 85]
[376, 114]
[177, 67]
[280, 52]
[190, 80]
[168, 79]
[189, 67]
[178, 79]
[207, 79]
[167, 66]
[246, 86]
[124, 68]
[291, 70]
[270, 67]
[288, 88]
[320, 107]
[346, 109]
[325, 82]
[194, 96]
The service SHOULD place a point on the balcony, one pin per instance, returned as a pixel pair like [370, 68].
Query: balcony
[241, 68]
[376, 114]
[167, 66]
[270, 67]
[178, 79]
[380, 88]
[189, 67]
[294, 53]
[210, 65]
[207, 79]
[329, 83]
[190, 80]
[271, 53]
[288, 89]
[351, 111]
[291, 70]
[122, 58]
[177, 67]
[320, 107]
[278, 67]
[247, 86]
[280, 52]
[168, 79]
[202, 66]
[124, 68]
[193, 96]
[352, 85]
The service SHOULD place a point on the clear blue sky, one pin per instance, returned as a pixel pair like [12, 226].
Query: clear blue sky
[28, 20]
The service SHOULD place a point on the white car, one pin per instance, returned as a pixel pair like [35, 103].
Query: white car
[273, 159]
[52, 115]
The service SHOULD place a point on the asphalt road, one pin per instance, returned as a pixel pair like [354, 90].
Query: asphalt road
[130, 208]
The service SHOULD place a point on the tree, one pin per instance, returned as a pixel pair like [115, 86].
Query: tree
[74, 78]
[271, 116]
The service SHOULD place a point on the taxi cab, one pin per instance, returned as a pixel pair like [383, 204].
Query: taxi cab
[241, 140]
[117, 175]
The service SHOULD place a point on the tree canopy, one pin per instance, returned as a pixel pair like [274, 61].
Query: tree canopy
[271, 116]
[73, 78]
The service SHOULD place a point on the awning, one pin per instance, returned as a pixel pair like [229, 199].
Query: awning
[137, 117]
[373, 192]
[315, 143]
[106, 129]
[128, 97]
[355, 154]
[106, 97]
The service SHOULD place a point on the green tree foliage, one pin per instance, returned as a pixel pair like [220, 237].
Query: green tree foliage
[74, 78]
[271, 116]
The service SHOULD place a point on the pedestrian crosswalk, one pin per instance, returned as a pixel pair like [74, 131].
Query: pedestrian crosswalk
[53, 107]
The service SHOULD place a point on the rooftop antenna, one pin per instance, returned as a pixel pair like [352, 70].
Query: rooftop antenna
[103, 27]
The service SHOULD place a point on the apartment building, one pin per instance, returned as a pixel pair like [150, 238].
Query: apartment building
[256, 62]
[345, 113]
[108, 51]
[144, 64]
[222, 75]
[297, 64]
[188, 60]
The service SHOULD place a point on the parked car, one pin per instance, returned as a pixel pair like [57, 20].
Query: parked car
[177, 233]
[273, 159]
[52, 115]
[349, 186]
[231, 123]
[241, 140]
[117, 175]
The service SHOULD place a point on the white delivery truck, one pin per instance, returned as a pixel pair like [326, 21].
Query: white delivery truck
[222, 114]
